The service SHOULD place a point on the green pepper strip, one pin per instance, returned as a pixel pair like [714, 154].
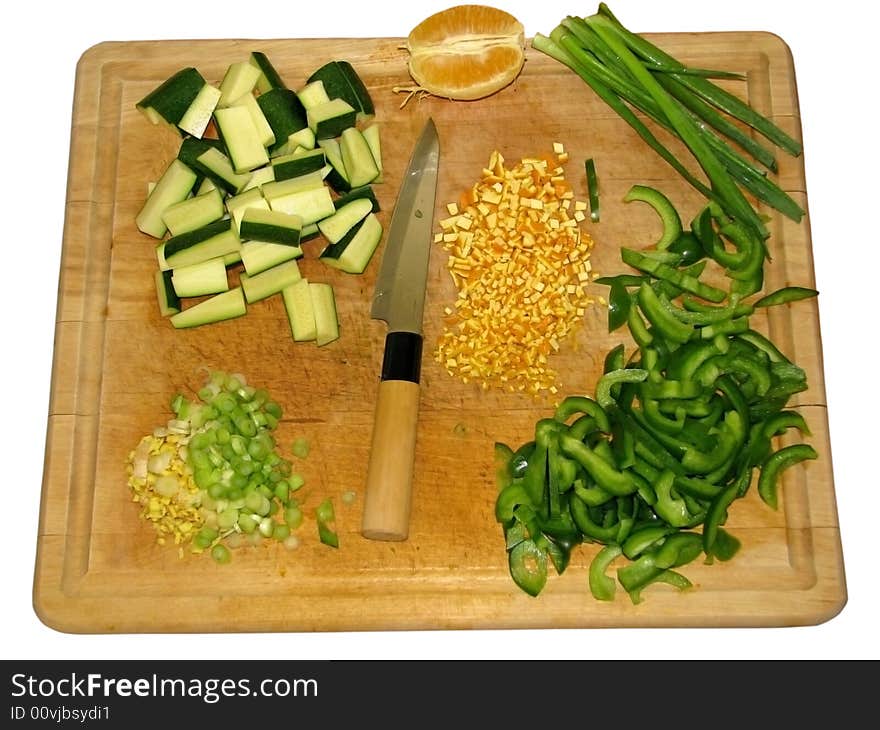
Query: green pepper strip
[528, 567]
[725, 545]
[667, 324]
[674, 276]
[609, 380]
[591, 496]
[580, 513]
[509, 499]
[583, 427]
[602, 586]
[786, 295]
[731, 434]
[695, 307]
[690, 247]
[638, 329]
[619, 483]
[581, 404]
[775, 464]
[660, 422]
[619, 304]
[668, 389]
[778, 424]
[715, 367]
[687, 359]
[717, 512]
[514, 534]
[679, 549]
[641, 540]
[615, 359]
[673, 510]
[670, 577]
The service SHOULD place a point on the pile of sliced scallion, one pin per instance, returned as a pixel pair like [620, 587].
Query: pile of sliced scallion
[223, 482]
[680, 427]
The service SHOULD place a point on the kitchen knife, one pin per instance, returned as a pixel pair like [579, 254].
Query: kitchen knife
[399, 299]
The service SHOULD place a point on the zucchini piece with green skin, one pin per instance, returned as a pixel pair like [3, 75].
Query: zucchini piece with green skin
[174, 186]
[312, 205]
[282, 188]
[241, 138]
[196, 280]
[246, 200]
[249, 102]
[271, 226]
[269, 282]
[354, 251]
[360, 167]
[297, 299]
[284, 112]
[331, 118]
[371, 134]
[259, 256]
[196, 119]
[194, 212]
[326, 316]
[220, 307]
[341, 81]
[269, 77]
[335, 227]
[364, 191]
[169, 302]
[298, 163]
[171, 100]
[214, 164]
[337, 178]
[313, 94]
[217, 239]
[240, 79]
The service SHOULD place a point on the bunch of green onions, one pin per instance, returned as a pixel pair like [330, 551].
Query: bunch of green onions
[632, 75]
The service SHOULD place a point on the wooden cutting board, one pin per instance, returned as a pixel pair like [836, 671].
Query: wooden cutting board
[117, 363]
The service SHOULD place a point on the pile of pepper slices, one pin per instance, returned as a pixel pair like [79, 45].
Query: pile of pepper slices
[682, 426]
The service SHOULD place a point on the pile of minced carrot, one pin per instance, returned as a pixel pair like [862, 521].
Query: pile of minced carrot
[521, 267]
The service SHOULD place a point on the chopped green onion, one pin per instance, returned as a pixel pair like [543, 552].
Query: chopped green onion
[593, 189]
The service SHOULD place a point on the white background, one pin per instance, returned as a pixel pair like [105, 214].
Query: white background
[837, 89]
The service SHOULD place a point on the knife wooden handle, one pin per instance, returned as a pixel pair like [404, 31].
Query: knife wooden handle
[392, 453]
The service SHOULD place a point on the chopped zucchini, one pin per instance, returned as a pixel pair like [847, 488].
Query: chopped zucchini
[360, 167]
[354, 251]
[284, 112]
[300, 312]
[364, 191]
[269, 282]
[196, 119]
[249, 102]
[337, 177]
[214, 240]
[269, 78]
[298, 163]
[228, 305]
[271, 226]
[171, 100]
[196, 280]
[335, 227]
[240, 79]
[174, 186]
[342, 82]
[217, 166]
[311, 205]
[258, 256]
[331, 118]
[194, 212]
[245, 200]
[371, 134]
[313, 94]
[169, 302]
[326, 317]
[241, 138]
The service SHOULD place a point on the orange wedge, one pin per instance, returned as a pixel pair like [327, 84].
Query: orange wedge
[466, 52]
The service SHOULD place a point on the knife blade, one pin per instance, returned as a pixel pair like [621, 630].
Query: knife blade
[399, 300]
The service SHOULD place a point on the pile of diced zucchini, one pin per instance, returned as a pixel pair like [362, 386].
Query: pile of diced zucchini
[284, 167]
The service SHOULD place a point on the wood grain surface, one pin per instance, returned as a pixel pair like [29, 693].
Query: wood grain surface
[117, 363]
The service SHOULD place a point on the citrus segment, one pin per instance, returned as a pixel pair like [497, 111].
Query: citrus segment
[466, 52]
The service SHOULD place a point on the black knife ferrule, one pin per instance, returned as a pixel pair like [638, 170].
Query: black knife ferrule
[403, 357]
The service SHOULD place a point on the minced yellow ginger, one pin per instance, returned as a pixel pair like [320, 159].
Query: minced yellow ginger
[521, 267]
[162, 484]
